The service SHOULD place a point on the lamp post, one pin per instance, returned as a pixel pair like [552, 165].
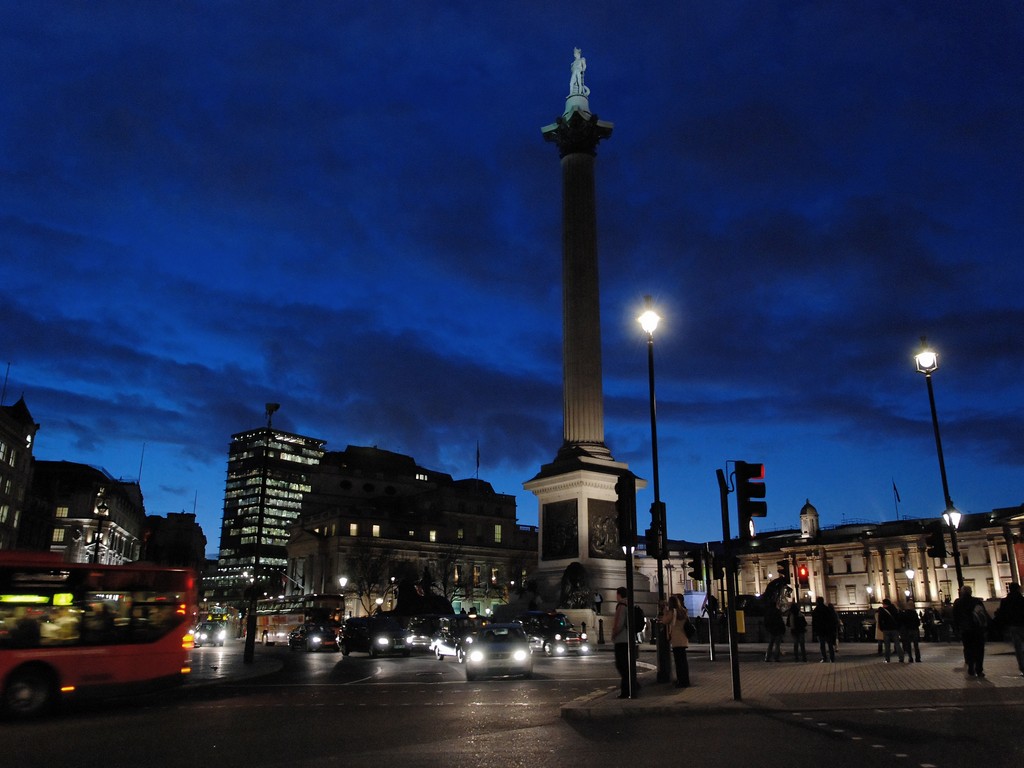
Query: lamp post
[952, 519]
[102, 512]
[910, 582]
[649, 322]
[927, 363]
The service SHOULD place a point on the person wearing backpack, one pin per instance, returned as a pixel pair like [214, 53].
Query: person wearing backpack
[675, 618]
[971, 619]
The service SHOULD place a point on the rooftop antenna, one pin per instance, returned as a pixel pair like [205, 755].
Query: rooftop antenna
[271, 409]
[142, 458]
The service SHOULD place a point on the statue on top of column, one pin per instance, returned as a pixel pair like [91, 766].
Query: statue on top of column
[579, 66]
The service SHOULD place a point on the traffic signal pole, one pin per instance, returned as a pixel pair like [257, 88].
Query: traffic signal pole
[730, 586]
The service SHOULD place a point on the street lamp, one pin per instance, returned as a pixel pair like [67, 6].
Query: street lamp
[102, 512]
[649, 322]
[951, 517]
[927, 363]
[910, 581]
[871, 595]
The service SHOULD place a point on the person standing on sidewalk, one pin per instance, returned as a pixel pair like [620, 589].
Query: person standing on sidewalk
[888, 621]
[775, 626]
[620, 637]
[910, 632]
[971, 618]
[1010, 616]
[826, 627]
[798, 629]
[675, 618]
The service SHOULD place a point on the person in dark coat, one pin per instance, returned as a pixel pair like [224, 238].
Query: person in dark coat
[775, 626]
[798, 629]
[889, 623]
[826, 626]
[910, 632]
[1010, 617]
[971, 619]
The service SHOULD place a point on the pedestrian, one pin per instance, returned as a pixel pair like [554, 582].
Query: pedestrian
[639, 623]
[879, 635]
[620, 637]
[971, 619]
[597, 603]
[910, 632]
[775, 626]
[889, 623]
[1010, 617]
[826, 627]
[675, 618]
[798, 629]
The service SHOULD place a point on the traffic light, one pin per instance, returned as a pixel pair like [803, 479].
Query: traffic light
[717, 565]
[625, 506]
[749, 492]
[696, 558]
[803, 576]
[936, 541]
[784, 570]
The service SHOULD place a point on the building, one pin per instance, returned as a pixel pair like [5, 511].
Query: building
[176, 540]
[856, 565]
[269, 474]
[378, 527]
[95, 518]
[17, 436]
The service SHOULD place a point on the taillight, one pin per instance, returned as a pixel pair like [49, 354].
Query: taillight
[188, 642]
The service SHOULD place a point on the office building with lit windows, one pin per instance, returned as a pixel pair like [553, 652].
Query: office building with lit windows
[269, 473]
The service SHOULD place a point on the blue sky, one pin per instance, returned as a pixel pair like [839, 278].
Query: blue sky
[349, 209]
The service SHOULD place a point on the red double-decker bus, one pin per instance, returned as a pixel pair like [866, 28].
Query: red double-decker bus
[72, 628]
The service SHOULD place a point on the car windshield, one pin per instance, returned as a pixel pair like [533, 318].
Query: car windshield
[209, 627]
[386, 623]
[502, 635]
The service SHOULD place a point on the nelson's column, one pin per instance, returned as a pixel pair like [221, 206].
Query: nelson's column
[579, 541]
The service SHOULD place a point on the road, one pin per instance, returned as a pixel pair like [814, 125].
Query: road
[329, 710]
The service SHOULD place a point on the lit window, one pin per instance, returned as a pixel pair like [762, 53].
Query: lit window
[476, 575]
[460, 534]
[421, 476]
[433, 535]
[376, 531]
[62, 511]
[58, 534]
[412, 533]
[353, 529]
[497, 533]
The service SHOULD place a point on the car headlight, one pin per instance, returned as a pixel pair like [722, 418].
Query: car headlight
[558, 636]
[383, 640]
[520, 655]
[583, 636]
[476, 655]
[315, 640]
[222, 635]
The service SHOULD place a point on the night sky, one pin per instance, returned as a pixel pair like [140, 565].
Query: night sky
[349, 209]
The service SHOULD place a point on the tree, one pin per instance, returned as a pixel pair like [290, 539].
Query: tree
[371, 569]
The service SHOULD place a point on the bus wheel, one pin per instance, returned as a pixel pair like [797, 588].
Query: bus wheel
[29, 692]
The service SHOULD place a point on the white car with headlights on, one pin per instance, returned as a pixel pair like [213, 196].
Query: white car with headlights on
[499, 649]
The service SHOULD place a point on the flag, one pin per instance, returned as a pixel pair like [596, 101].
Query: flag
[895, 492]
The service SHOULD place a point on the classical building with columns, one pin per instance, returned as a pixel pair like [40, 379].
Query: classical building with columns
[855, 566]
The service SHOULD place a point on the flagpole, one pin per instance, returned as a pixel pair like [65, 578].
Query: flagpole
[896, 499]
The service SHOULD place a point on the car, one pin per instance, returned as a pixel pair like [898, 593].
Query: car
[210, 633]
[454, 635]
[552, 634]
[421, 631]
[375, 635]
[314, 637]
[499, 649]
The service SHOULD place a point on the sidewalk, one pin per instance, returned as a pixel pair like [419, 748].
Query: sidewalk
[858, 679]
